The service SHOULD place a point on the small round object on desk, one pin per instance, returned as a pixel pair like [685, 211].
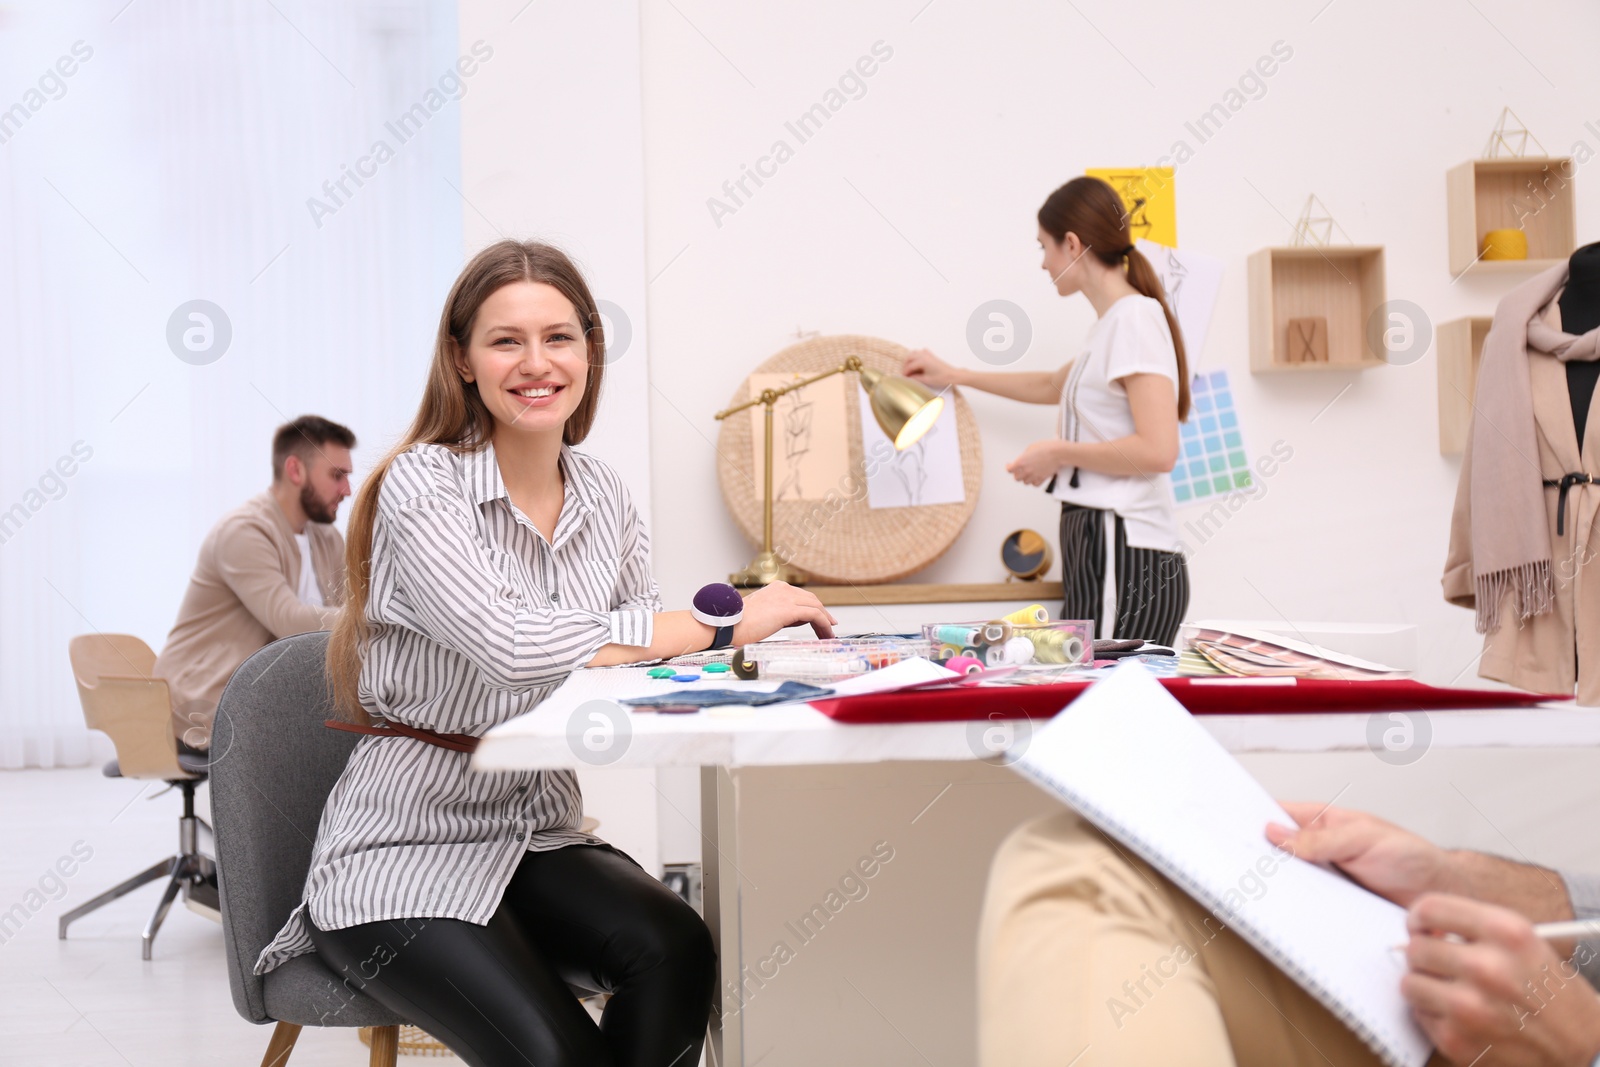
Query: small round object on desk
[1032, 615]
[964, 664]
[716, 668]
[743, 668]
[685, 677]
[661, 672]
[1019, 650]
[997, 632]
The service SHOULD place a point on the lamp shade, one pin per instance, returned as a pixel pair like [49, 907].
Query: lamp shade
[905, 409]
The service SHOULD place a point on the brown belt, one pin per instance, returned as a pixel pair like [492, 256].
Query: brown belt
[453, 742]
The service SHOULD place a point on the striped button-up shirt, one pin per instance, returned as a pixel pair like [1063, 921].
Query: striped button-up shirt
[475, 619]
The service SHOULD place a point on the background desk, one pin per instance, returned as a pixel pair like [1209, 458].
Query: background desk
[791, 802]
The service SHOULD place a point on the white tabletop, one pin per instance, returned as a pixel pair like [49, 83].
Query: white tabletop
[581, 725]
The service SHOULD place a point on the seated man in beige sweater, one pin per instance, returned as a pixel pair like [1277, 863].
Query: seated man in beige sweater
[269, 569]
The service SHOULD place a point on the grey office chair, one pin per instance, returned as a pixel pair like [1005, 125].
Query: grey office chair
[273, 764]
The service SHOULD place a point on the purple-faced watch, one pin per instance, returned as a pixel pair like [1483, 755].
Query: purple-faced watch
[719, 605]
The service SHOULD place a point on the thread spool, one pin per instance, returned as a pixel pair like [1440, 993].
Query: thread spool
[964, 664]
[1505, 244]
[1032, 615]
[1072, 648]
[949, 651]
[1019, 650]
[994, 656]
[957, 635]
[1050, 646]
[995, 633]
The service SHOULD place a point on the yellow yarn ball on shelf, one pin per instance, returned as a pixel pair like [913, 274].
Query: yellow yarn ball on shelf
[1505, 244]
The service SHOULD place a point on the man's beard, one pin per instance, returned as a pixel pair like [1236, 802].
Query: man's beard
[315, 509]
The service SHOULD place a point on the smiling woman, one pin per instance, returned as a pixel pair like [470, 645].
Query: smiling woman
[487, 560]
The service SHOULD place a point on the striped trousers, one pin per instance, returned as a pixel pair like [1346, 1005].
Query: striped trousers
[1128, 592]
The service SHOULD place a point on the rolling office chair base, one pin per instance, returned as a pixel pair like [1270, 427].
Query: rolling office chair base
[385, 1045]
[187, 868]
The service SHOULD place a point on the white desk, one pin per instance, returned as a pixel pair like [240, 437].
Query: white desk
[721, 740]
[794, 734]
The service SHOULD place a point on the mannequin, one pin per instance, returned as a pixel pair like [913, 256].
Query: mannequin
[1580, 313]
[1525, 552]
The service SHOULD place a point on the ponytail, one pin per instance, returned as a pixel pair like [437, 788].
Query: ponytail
[1142, 276]
[1090, 208]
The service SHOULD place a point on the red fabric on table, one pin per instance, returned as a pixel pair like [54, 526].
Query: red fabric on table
[1200, 696]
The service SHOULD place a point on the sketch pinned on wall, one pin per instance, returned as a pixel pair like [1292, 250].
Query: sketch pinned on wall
[1192, 281]
[929, 472]
[810, 452]
[1149, 196]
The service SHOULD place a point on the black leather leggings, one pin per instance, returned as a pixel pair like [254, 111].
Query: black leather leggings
[499, 994]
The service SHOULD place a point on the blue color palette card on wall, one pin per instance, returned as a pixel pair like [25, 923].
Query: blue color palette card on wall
[1212, 461]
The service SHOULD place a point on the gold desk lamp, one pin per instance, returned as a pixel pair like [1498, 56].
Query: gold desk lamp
[904, 409]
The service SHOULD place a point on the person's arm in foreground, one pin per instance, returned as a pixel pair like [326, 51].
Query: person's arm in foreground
[1484, 988]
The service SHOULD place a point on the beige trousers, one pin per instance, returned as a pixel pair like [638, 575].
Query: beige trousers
[1087, 957]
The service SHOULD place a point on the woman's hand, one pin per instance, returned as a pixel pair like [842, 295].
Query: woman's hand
[1037, 464]
[1394, 863]
[773, 607]
[925, 367]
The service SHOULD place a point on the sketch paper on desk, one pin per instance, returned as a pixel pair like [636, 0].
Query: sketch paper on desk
[810, 452]
[1192, 281]
[929, 472]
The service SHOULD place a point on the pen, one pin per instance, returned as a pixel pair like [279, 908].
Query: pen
[1576, 929]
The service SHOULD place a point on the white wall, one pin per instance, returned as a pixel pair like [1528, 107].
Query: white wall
[177, 163]
[915, 203]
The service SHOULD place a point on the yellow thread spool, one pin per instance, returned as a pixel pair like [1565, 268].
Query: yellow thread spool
[1049, 646]
[1505, 244]
[1032, 615]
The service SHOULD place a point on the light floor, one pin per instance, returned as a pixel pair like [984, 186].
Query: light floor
[90, 1000]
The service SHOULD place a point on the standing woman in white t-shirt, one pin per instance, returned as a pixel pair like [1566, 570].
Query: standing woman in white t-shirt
[1120, 400]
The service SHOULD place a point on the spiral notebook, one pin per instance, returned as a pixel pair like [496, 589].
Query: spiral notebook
[1133, 762]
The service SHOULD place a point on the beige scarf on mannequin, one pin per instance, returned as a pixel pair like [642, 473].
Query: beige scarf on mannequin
[1510, 531]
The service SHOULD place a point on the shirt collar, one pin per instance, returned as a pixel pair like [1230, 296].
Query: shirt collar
[484, 483]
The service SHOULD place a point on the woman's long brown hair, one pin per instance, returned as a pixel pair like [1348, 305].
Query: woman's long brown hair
[1090, 208]
[453, 414]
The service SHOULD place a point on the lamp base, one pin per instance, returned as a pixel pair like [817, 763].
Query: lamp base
[766, 569]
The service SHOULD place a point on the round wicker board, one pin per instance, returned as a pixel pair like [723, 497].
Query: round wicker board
[841, 539]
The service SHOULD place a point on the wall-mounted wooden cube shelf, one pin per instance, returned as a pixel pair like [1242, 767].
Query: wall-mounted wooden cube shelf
[1460, 347]
[1531, 193]
[1342, 284]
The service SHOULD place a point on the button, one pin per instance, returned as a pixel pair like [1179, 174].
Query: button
[555, 596]
[522, 789]
[518, 836]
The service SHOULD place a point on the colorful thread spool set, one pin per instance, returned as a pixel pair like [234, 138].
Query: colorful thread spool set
[1022, 637]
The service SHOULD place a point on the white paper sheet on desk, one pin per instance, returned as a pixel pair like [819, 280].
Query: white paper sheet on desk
[911, 671]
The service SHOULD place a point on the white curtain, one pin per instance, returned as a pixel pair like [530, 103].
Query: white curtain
[174, 163]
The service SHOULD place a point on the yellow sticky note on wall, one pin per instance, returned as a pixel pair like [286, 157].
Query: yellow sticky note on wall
[1150, 198]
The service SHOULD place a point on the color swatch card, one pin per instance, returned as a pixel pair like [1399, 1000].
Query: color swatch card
[1212, 461]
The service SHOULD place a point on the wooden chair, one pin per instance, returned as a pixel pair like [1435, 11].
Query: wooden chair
[122, 700]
